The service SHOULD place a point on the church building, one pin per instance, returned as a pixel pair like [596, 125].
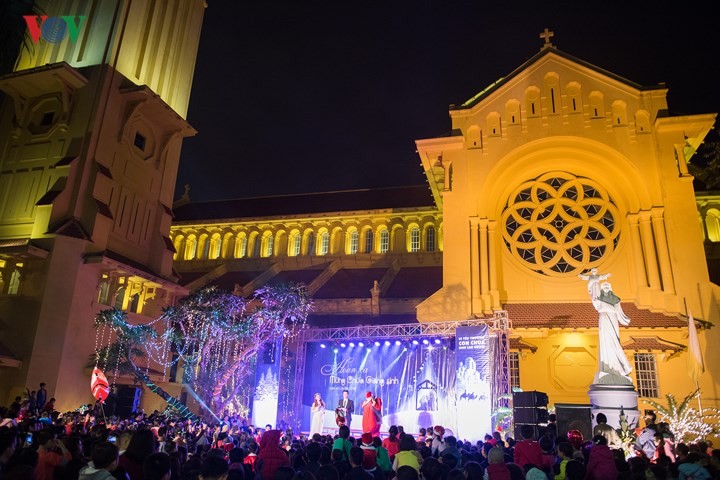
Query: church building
[557, 168]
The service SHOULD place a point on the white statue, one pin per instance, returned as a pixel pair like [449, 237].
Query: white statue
[613, 367]
[593, 279]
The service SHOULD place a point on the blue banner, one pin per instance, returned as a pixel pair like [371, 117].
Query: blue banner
[473, 382]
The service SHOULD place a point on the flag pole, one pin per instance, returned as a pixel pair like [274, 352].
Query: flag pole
[697, 383]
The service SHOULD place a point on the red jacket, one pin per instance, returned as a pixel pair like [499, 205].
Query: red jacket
[601, 464]
[498, 471]
[528, 451]
[271, 455]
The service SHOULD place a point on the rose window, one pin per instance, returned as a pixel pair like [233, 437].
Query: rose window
[560, 224]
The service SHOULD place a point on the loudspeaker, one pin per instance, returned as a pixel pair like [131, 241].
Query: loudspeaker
[574, 417]
[532, 398]
[128, 401]
[538, 431]
[532, 415]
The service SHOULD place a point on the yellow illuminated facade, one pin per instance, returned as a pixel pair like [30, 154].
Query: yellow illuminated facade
[90, 138]
[553, 170]
[558, 168]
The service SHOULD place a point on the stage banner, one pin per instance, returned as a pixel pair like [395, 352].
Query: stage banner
[473, 382]
[267, 374]
[414, 382]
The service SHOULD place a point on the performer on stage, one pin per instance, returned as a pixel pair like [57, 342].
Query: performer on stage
[372, 414]
[347, 407]
[317, 416]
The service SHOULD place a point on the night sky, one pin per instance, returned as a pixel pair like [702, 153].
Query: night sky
[318, 96]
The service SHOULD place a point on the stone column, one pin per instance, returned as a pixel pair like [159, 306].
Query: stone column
[658, 224]
[474, 259]
[484, 272]
[637, 250]
[648, 241]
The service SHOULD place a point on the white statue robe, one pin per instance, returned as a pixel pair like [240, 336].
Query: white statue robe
[612, 359]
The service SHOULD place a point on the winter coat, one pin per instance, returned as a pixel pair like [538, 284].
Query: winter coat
[92, 473]
[601, 464]
[271, 455]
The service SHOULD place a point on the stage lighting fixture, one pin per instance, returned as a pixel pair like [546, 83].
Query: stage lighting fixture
[437, 341]
[343, 345]
[361, 344]
[322, 345]
[414, 342]
[397, 342]
[387, 342]
[352, 344]
[377, 344]
[425, 341]
[335, 350]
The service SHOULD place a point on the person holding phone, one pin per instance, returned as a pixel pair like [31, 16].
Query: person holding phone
[51, 453]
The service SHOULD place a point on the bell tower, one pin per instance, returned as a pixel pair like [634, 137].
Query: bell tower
[150, 42]
[91, 129]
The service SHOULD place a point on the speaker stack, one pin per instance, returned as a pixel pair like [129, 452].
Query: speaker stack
[530, 408]
[128, 401]
[574, 417]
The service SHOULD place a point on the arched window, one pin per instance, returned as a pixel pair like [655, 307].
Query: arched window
[430, 239]
[178, 244]
[353, 241]
[104, 289]
[324, 243]
[369, 238]
[619, 113]
[384, 240]
[241, 246]
[552, 91]
[215, 246]
[574, 99]
[415, 239]
[14, 284]
[120, 297]
[493, 123]
[712, 224]
[269, 241]
[512, 112]
[294, 245]
[532, 102]
[190, 247]
[228, 245]
[256, 246]
[311, 243]
[597, 106]
[204, 243]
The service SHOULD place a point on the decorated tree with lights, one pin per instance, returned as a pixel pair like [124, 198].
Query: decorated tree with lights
[125, 350]
[216, 335]
[686, 423]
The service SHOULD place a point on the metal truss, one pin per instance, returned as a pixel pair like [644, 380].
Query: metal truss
[407, 330]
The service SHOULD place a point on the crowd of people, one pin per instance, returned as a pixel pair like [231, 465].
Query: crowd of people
[84, 445]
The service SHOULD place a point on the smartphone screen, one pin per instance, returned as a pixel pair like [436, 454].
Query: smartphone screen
[112, 439]
[28, 439]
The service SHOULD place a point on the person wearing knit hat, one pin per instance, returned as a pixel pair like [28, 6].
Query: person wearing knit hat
[369, 452]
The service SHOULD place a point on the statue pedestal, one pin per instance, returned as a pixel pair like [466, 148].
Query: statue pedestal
[610, 400]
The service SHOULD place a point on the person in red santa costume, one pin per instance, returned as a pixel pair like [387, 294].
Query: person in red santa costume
[372, 414]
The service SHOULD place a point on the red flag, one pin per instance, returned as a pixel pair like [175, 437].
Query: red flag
[99, 385]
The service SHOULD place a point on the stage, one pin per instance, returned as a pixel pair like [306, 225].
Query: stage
[453, 374]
